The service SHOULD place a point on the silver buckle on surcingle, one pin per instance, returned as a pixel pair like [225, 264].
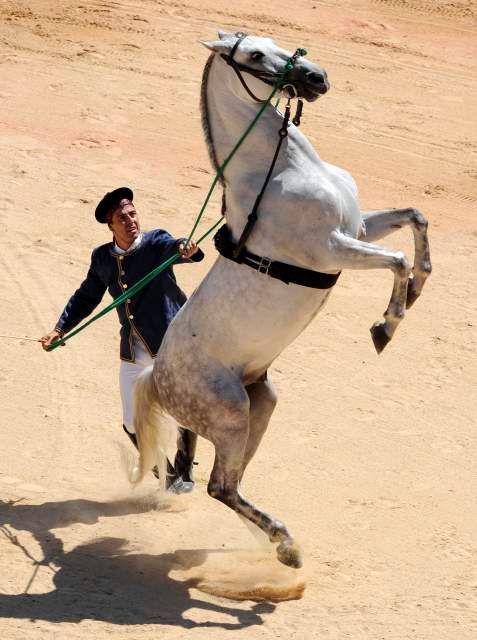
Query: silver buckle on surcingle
[264, 265]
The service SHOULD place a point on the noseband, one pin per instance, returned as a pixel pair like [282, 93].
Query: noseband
[264, 76]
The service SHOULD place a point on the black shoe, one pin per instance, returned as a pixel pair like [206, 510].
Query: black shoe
[176, 484]
[180, 478]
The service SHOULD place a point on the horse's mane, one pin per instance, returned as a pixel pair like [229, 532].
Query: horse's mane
[204, 108]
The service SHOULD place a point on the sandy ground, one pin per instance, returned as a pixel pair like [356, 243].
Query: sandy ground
[369, 460]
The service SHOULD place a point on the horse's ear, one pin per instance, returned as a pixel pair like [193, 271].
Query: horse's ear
[219, 46]
[225, 35]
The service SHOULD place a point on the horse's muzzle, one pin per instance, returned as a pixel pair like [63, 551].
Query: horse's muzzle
[309, 84]
[318, 80]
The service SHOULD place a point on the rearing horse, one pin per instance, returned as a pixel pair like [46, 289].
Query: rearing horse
[211, 371]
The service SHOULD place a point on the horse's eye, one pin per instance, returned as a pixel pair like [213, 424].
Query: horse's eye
[257, 55]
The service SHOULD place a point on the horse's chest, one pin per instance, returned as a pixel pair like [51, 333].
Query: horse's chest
[314, 196]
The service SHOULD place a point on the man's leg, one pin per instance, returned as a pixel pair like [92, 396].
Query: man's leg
[183, 479]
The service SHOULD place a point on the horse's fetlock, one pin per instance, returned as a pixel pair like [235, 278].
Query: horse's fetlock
[391, 320]
[278, 531]
[426, 267]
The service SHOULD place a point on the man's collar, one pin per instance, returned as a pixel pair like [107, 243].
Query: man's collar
[134, 245]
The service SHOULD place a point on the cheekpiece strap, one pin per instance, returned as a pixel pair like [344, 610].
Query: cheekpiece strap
[240, 36]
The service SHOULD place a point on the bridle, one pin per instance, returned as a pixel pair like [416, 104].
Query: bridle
[264, 76]
[237, 252]
[271, 79]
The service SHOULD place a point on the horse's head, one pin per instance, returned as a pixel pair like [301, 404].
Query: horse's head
[260, 62]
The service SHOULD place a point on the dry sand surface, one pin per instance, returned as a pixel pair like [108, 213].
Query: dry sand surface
[369, 460]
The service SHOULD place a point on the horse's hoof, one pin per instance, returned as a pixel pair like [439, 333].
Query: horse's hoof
[289, 553]
[379, 336]
[412, 294]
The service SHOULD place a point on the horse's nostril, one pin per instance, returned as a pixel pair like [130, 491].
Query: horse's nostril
[315, 77]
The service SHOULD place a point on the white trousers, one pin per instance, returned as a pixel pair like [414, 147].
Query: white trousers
[128, 372]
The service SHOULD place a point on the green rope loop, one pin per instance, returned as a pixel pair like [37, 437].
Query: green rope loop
[140, 284]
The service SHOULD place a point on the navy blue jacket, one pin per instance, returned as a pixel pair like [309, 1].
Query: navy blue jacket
[151, 309]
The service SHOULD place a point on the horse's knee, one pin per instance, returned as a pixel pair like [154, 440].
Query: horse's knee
[400, 265]
[418, 219]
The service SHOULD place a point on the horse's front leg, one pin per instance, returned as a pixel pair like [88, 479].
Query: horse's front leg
[379, 224]
[349, 253]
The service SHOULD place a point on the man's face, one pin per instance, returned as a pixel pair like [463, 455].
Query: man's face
[124, 224]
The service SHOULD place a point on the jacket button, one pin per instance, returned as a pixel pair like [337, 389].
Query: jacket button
[121, 257]
[128, 300]
[123, 273]
[125, 286]
[131, 317]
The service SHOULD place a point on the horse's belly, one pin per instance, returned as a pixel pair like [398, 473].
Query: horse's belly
[241, 319]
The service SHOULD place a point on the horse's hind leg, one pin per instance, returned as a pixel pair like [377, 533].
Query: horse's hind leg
[223, 485]
[379, 224]
[349, 253]
[232, 444]
[263, 400]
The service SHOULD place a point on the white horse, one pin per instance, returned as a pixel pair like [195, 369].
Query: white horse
[211, 371]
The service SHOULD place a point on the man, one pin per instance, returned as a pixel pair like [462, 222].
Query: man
[144, 317]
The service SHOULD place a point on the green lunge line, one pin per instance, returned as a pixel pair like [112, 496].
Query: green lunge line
[152, 274]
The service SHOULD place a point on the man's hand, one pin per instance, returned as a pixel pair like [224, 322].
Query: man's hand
[189, 250]
[49, 338]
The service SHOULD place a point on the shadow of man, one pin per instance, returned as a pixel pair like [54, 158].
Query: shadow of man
[102, 580]
[40, 520]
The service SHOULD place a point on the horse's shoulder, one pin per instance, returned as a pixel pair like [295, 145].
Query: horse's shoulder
[340, 177]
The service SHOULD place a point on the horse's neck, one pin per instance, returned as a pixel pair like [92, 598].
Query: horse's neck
[226, 118]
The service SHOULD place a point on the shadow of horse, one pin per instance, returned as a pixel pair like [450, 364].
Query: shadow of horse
[102, 580]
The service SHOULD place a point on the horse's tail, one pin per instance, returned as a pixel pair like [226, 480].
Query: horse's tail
[154, 431]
